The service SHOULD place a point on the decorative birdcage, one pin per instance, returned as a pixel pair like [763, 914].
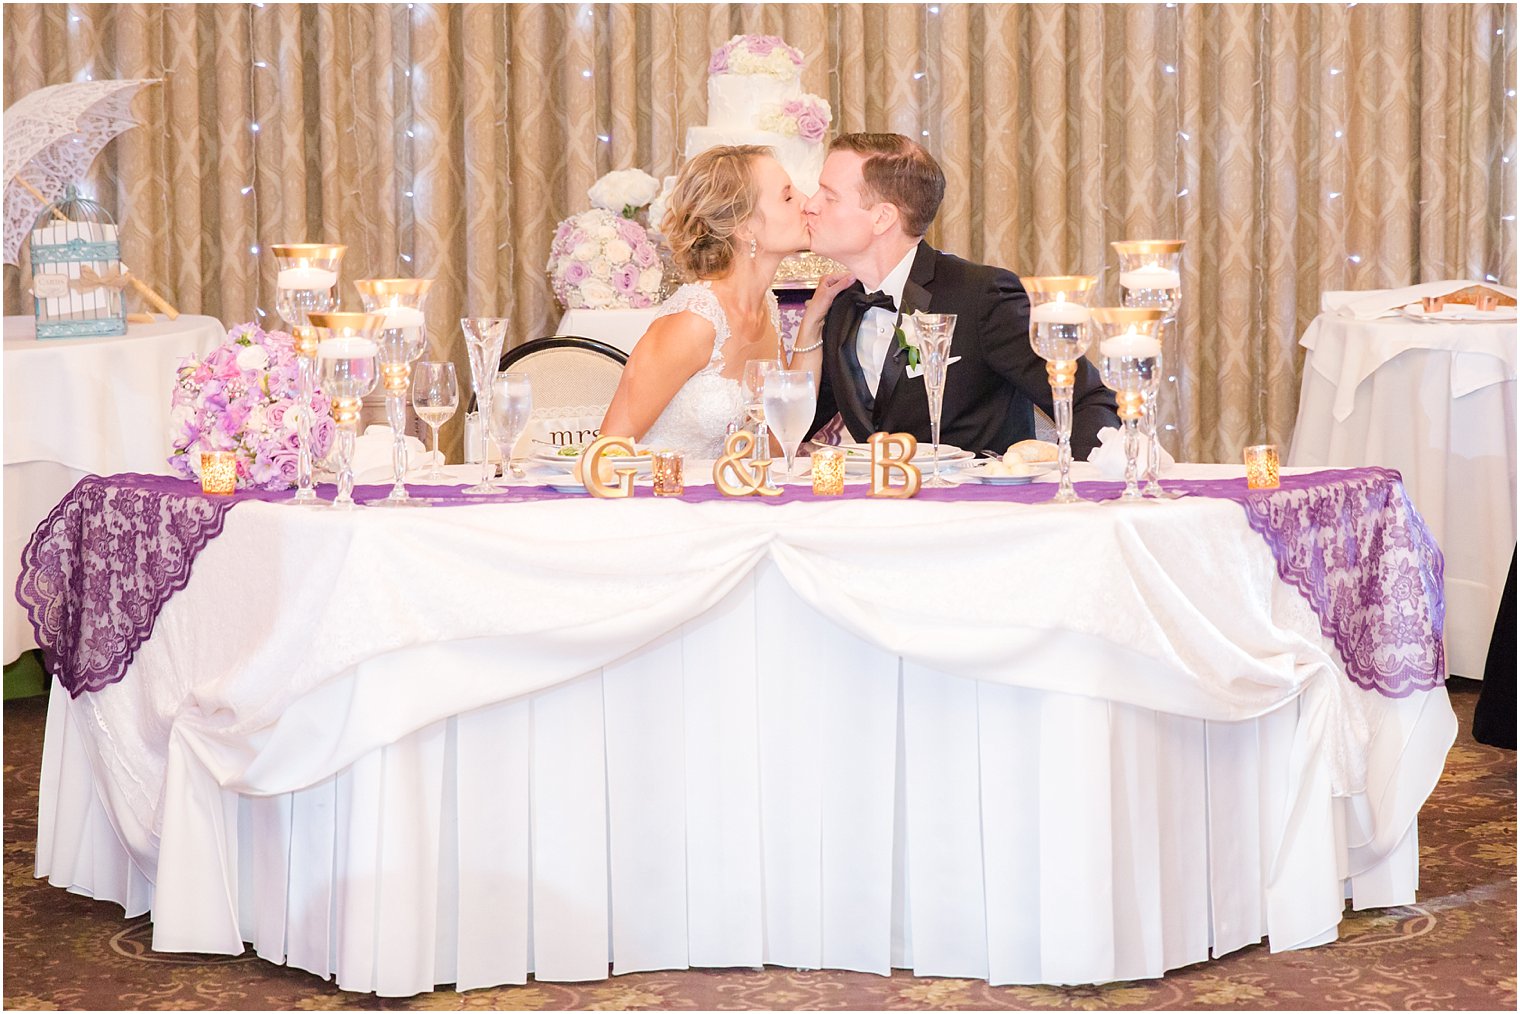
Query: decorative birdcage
[77, 278]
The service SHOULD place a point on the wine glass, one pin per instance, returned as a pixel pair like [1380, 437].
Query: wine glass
[511, 407]
[483, 337]
[934, 333]
[789, 400]
[435, 399]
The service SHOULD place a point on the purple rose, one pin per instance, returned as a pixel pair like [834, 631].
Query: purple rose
[322, 435]
[562, 233]
[625, 279]
[576, 238]
[762, 45]
[644, 256]
[719, 62]
[576, 272]
[812, 124]
[275, 413]
[641, 301]
[284, 464]
[631, 231]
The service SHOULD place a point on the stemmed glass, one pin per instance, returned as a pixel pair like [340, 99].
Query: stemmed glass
[511, 408]
[789, 399]
[1150, 275]
[435, 399]
[934, 333]
[1058, 333]
[1130, 352]
[755, 372]
[349, 361]
[305, 280]
[483, 337]
[402, 340]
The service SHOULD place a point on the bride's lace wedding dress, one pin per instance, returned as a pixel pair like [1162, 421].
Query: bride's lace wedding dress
[696, 420]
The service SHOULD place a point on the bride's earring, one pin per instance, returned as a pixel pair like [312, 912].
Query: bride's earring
[752, 246]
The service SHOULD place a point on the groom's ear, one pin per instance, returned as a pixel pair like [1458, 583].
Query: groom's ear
[884, 217]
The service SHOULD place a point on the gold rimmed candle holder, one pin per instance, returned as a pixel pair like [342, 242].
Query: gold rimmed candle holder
[306, 279]
[348, 358]
[402, 339]
[668, 473]
[1060, 333]
[1129, 350]
[1150, 275]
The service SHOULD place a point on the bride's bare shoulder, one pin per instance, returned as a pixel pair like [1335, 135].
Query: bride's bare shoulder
[683, 336]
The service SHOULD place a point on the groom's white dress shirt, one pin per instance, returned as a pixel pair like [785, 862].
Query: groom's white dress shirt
[874, 342]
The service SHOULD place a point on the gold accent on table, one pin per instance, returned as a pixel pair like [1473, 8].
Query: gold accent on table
[1148, 247]
[305, 341]
[1061, 373]
[884, 462]
[1051, 284]
[750, 478]
[828, 471]
[589, 470]
[218, 473]
[1131, 404]
[346, 321]
[345, 411]
[1261, 466]
[804, 271]
[380, 288]
[396, 377]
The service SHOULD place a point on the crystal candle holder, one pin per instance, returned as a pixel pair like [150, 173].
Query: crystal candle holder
[402, 339]
[668, 480]
[1059, 333]
[1261, 466]
[306, 280]
[828, 471]
[348, 357]
[1150, 275]
[218, 473]
[1129, 348]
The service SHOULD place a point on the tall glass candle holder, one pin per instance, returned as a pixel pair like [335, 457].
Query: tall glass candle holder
[306, 282]
[1059, 333]
[402, 340]
[1129, 350]
[483, 338]
[348, 358]
[1150, 276]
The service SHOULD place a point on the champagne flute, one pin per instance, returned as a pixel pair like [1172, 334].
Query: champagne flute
[435, 398]
[789, 399]
[483, 338]
[935, 331]
[511, 408]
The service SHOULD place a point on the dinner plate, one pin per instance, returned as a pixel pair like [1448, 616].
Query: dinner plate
[977, 470]
[566, 462]
[568, 486]
[1458, 313]
[857, 457]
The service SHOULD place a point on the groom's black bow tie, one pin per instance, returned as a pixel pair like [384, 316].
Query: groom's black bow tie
[867, 301]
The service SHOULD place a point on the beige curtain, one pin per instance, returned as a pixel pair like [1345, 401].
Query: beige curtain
[1295, 148]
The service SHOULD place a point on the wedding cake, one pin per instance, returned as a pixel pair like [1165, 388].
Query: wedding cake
[755, 96]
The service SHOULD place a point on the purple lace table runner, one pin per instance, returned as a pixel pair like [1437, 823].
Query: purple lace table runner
[98, 570]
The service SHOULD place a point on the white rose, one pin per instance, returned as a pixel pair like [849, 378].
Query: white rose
[587, 251]
[180, 417]
[617, 251]
[658, 206]
[258, 420]
[601, 269]
[597, 294]
[253, 357]
[623, 188]
[606, 231]
[649, 280]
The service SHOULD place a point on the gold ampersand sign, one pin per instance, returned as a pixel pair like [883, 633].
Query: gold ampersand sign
[748, 477]
[893, 452]
[590, 472]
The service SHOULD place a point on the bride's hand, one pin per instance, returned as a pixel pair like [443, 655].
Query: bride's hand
[823, 296]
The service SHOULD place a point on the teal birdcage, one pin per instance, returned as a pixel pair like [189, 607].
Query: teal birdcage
[77, 277]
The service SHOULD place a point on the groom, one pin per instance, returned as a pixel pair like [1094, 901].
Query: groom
[876, 197]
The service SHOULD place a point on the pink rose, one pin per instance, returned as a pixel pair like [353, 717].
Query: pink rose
[762, 45]
[812, 124]
[644, 256]
[631, 231]
[276, 414]
[719, 62]
[576, 273]
[641, 301]
[625, 279]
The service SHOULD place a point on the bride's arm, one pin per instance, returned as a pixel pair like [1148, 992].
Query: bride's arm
[810, 329]
[673, 349]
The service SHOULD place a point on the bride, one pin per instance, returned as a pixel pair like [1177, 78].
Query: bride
[733, 215]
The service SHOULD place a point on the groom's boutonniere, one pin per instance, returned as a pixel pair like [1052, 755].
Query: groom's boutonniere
[902, 343]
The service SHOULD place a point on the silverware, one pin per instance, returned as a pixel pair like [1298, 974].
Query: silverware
[517, 470]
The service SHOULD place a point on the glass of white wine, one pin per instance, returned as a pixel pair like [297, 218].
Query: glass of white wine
[435, 399]
[790, 400]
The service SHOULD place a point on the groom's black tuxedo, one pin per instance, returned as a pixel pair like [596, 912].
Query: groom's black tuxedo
[989, 394]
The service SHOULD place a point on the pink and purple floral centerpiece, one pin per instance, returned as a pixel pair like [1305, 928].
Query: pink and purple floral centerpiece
[241, 398]
[756, 54]
[600, 260]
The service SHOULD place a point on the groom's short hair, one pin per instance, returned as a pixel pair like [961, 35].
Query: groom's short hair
[899, 171]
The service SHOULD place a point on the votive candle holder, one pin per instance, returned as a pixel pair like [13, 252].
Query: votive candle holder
[218, 473]
[668, 478]
[1261, 466]
[828, 471]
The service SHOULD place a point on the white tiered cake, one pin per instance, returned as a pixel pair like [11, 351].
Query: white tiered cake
[755, 96]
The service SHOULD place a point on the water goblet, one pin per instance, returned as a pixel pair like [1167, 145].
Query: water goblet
[435, 399]
[790, 399]
[483, 338]
[511, 408]
[1059, 333]
[402, 339]
[1130, 351]
[349, 360]
[1150, 275]
[305, 281]
[935, 330]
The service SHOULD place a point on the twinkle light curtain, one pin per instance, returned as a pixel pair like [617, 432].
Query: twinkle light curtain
[1295, 148]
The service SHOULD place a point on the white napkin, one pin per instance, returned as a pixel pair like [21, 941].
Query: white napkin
[372, 455]
[1373, 303]
[1109, 455]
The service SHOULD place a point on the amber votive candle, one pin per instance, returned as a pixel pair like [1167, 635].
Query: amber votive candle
[218, 472]
[1261, 466]
[668, 479]
[828, 471]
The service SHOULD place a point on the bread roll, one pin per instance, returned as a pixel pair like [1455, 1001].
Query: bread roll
[1033, 451]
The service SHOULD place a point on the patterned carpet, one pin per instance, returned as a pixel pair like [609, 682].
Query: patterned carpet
[1455, 950]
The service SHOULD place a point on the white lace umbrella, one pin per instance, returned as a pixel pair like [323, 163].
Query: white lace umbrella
[51, 137]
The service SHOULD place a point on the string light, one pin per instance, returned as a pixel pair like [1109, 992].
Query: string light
[246, 191]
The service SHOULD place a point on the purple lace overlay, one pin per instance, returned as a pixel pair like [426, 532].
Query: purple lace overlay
[97, 572]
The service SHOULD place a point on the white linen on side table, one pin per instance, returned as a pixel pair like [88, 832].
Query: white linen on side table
[1437, 402]
[76, 406]
[621, 329]
[517, 703]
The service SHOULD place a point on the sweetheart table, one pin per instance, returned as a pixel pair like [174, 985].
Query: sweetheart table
[976, 737]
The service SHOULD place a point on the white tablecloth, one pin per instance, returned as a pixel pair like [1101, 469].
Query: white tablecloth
[1437, 402]
[459, 745]
[79, 406]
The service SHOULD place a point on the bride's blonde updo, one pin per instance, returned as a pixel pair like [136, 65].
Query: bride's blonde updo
[713, 196]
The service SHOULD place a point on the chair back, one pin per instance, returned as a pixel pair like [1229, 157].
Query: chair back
[574, 379]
